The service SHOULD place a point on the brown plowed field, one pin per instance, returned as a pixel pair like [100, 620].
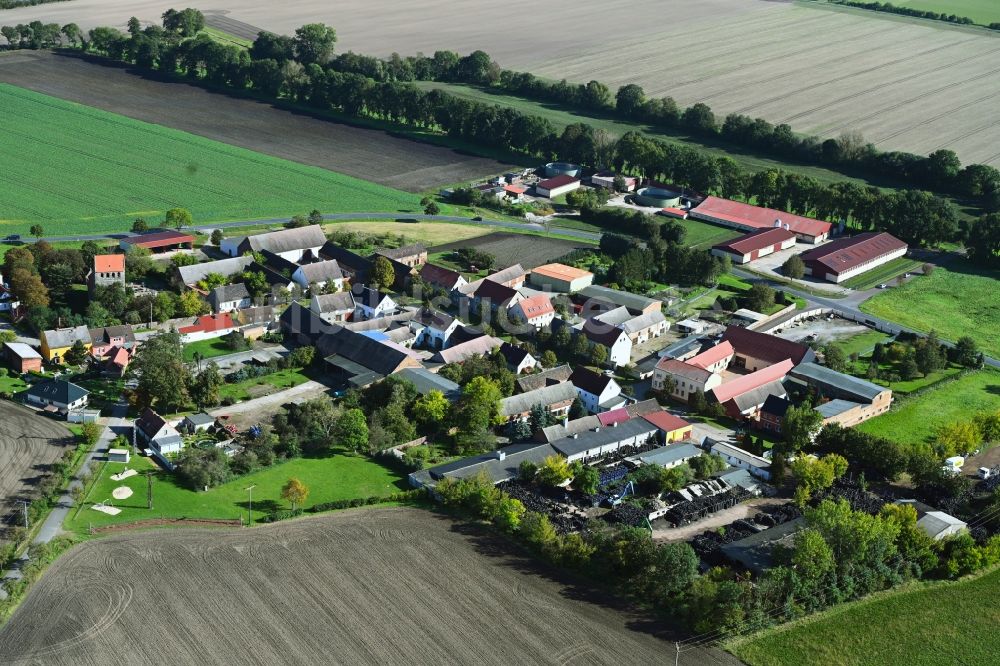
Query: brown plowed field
[370, 154]
[906, 84]
[29, 443]
[376, 586]
[510, 249]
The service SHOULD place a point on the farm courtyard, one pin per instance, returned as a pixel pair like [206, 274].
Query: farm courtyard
[906, 85]
[375, 586]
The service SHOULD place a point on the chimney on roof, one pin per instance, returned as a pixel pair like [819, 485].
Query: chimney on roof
[777, 223]
[787, 228]
[615, 424]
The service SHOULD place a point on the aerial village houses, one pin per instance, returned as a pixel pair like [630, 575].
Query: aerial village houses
[319, 275]
[108, 269]
[22, 358]
[672, 429]
[536, 311]
[333, 308]
[639, 328]
[518, 359]
[409, 255]
[743, 396]
[615, 339]
[751, 218]
[297, 245]
[442, 278]
[354, 267]
[371, 303]
[597, 392]
[57, 395]
[852, 400]
[596, 299]
[206, 327]
[229, 297]
[460, 353]
[190, 276]
[560, 277]
[844, 258]
[55, 343]
[755, 245]
[152, 431]
[556, 399]
[435, 328]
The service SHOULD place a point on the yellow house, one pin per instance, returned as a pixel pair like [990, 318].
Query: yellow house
[57, 342]
[672, 428]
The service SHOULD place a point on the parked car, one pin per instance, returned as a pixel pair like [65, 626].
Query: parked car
[985, 472]
[13, 237]
[883, 286]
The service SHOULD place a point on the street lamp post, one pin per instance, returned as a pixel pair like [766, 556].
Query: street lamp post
[250, 505]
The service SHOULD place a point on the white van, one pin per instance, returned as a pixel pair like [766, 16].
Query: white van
[985, 472]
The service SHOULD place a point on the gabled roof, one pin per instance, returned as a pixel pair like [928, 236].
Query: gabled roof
[225, 267]
[712, 355]
[554, 375]
[66, 337]
[614, 416]
[616, 297]
[496, 469]
[507, 274]
[58, 390]
[149, 422]
[440, 276]
[845, 386]
[754, 380]
[279, 264]
[616, 316]
[22, 350]
[758, 396]
[383, 358]
[347, 259]
[575, 427]
[209, 323]
[535, 306]
[676, 368]
[545, 396]
[513, 354]
[602, 333]
[368, 296]
[118, 357]
[337, 302]
[321, 271]
[776, 406]
[426, 381]
[229, 292]
[109, 263]
[765, 347]
[298, 320]
[590, 381]
[592, 439]
[757, 217]
[108, 333]
[402, 252]
[155, 239]
[561, 272]
[287, 240]
[844, 254]
[756, 240]
[643, 321]
[666, 421]
[497, 293]
[459, 353]
[557, 181]
[435, 319]
[666, 455]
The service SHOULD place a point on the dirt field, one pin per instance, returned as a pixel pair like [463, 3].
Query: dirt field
[29, 443]
[363, 153]
[510, 249]
[382, 586]
[907, 85]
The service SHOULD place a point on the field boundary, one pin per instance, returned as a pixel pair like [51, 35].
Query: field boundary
[168, 522]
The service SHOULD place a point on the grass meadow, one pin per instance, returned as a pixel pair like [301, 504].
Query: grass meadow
[884, 273]
[923, 625]
[983, 12]
[954, 301]
[329, 478]
[914, 420]
[76, 169]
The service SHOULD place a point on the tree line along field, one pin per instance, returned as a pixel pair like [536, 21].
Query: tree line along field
[914, 420]
[907, 85]
[955, 300]
[983, 12]
[944, 623]
[375, 586]
[75, 169]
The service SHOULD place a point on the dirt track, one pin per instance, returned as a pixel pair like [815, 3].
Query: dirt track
[364, 153]
[376, 586]
[29, 443]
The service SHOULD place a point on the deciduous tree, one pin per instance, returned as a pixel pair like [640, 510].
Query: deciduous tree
[295, 492]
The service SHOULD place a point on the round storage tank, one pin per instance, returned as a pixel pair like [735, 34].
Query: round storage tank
[553, 169]
[657, 197]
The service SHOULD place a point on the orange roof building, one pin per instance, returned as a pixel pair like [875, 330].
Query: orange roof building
[560, 277]
[108, 269]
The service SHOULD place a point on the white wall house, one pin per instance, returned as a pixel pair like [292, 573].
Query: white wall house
[737, 457]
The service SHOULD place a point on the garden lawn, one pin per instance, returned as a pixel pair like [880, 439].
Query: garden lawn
[280, 380]
[207, 348]
[913, 420]
[884, 273]
[862, 343]
[703, 234]
[925, 625]
[330, 478]
[76, 169]
[983, 12]
[956, 302]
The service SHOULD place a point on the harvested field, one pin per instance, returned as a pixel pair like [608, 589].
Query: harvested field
[427, 233]
[368, 154]
[29, 443]
[509, 249]
[907, 85]
[378, 586]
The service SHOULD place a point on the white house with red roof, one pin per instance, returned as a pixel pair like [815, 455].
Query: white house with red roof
[206, 327]
[557, 186]
[537, 311]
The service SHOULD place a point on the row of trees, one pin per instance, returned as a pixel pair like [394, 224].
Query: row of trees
[288, 67]
[941, 170]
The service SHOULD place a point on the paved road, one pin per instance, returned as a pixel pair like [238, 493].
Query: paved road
[499, 224]
[115, 425]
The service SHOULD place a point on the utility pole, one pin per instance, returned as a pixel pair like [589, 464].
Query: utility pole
[149, 490]
[677, 653]
[24, 507]
[250, 511]
[133, 438]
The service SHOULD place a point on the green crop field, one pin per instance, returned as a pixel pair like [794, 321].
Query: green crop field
[330, 478]
[983, 12]
[927, 625]
[560, 117]
[914, 420]
[884, 273]
[75, 169]
[954, 302]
